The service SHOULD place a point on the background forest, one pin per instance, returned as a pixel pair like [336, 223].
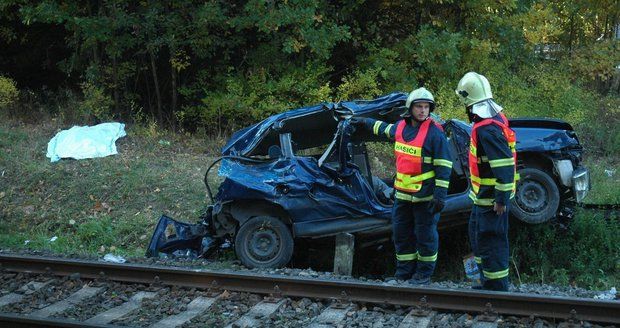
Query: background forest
[185, 74]
[213, 66]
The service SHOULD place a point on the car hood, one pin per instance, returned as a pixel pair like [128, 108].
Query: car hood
[309, 126]
[537, 134]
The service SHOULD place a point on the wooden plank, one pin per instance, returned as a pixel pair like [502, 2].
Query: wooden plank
[257, 313]
[330, 317]
[478, 323]
[121, 310]
[194, 308]
[26, 289]
[413, 320]
[68, 302]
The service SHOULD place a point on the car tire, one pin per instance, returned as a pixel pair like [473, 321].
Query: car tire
[537, 197]
[264, 242]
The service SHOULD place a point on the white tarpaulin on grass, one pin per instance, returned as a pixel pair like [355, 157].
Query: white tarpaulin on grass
[81, 142]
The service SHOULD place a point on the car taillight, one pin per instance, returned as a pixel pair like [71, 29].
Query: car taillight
[581, 183]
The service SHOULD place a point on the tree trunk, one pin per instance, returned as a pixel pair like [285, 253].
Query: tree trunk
[148, 95]
[115, 81]
[160, 113]
[174, 77]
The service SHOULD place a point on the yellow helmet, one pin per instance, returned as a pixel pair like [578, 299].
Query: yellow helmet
[473, 88]
[420, 95]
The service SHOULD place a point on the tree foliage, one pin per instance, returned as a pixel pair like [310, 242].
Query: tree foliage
[217, 64]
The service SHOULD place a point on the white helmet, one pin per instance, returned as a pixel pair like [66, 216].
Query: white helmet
[420, 95]
[474, 91]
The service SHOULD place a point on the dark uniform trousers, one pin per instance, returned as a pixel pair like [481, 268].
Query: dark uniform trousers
[488, 234]
[414, 230]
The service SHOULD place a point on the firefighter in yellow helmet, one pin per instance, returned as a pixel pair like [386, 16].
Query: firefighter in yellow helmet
[492, 160]
[423, 166]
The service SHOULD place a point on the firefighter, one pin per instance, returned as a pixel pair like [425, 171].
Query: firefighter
[492, 160]
[423, 166]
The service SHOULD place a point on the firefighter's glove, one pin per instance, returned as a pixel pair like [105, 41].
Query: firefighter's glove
[358, 121]
[436, 205]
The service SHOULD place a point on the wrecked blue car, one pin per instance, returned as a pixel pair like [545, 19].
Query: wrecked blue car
[307, 173]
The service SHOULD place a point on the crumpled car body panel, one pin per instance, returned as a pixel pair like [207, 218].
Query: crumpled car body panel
[305, 191]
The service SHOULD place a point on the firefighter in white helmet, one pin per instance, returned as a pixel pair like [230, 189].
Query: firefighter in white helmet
[423, 166]
[492, 160]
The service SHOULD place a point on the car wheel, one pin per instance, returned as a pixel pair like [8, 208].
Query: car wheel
[264, 242]
[537, 197]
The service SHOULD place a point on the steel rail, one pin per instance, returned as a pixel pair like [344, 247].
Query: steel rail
[443, 299]
[22, 320]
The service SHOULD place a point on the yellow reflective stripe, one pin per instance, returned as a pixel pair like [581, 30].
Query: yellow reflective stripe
[484, 201]
[442, 183]
[413, 199]
[387, 130]
[480, 201]
[428, 160]
[483, 181]
[409, 179]
[517, 176]
[375, 128]
[502, 162]
[431, 258]
[483, 159]
[407, 257]
[478, 259]
[495, 274]
[504, 186]
[408, 150]
[472, 149]
[442, 162]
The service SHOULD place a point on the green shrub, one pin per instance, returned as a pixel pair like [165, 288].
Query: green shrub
[8, 93]
[586, 254]
[359, 85]
[249, 98]
[600, 132]
[96, 102]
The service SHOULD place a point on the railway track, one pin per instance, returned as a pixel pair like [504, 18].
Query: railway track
[268, 294]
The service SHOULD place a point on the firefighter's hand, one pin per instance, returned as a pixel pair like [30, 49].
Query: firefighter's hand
[499, 208]
[436, 205]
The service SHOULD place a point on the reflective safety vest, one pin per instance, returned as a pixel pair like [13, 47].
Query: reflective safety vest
[409, 160]
[476, 179]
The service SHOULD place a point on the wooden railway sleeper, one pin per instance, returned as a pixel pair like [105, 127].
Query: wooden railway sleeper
[422, 309]
[275, 296]
[489, 314]
[572, 321]
[214, 290]
[343, 301]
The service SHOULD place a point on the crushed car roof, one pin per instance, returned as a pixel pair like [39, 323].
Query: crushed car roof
[307, 125]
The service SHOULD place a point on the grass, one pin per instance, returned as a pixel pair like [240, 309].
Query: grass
[97, 205]
[605, 180]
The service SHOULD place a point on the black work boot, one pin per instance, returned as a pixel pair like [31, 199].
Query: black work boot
[398, 277]
[419, 280]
